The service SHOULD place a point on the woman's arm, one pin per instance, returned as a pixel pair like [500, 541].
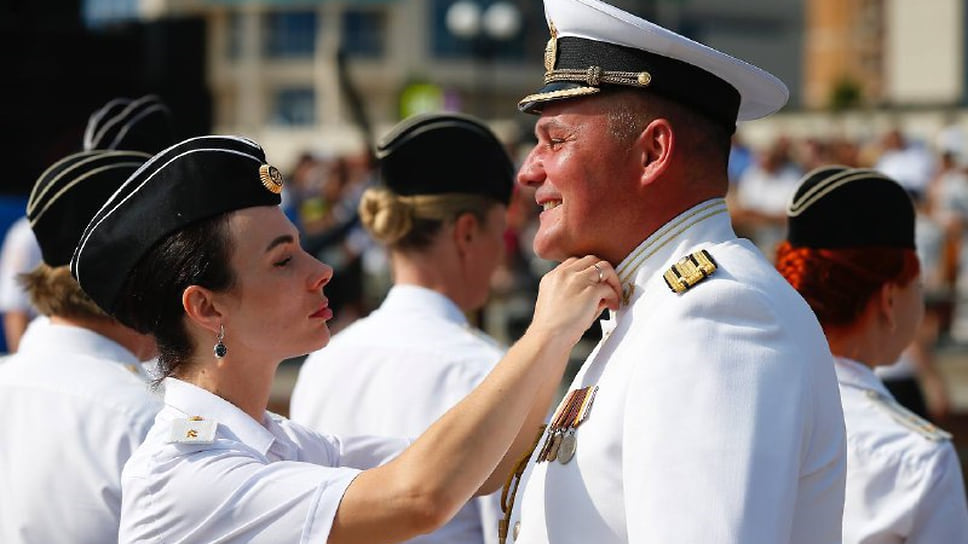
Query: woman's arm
[473, 445]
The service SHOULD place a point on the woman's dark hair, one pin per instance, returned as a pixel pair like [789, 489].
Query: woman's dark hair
[838, 283]
[150, 301]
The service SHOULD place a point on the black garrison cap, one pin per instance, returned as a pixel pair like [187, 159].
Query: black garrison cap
[188, 182]
[445, 153]
[68, 194]
[836, 207]
[143, 124]
[595, 46]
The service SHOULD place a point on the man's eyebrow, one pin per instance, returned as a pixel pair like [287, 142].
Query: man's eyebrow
[284, 239]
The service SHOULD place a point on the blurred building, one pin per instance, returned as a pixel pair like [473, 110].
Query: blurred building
[274, 71]
[885, 53]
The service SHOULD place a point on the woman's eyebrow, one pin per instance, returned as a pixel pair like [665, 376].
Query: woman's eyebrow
[284, 239]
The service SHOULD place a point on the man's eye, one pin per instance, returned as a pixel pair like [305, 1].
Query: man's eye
[555, 142]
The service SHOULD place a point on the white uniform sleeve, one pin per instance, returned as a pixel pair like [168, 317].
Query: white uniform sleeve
[712, 430]
[942, 515]
[19, 254]
[226, 496]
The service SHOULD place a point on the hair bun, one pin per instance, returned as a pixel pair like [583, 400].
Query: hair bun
[385, 215]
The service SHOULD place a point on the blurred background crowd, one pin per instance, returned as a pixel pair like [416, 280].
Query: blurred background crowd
[879, 84]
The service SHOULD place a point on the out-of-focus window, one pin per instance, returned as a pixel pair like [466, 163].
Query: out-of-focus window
[291, 33]
[294, 107]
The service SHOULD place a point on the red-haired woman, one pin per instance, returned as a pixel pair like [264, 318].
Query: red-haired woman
[850, 252]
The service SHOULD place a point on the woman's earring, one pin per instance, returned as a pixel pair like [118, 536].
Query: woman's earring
[220, 349]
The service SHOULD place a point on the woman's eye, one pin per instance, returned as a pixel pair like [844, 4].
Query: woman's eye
[283, 262]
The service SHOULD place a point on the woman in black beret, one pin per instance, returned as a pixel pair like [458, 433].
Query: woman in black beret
[194, 249]
[850, 252]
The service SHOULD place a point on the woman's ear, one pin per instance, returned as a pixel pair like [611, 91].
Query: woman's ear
[886, 297]
[465, 232]
[200, 307]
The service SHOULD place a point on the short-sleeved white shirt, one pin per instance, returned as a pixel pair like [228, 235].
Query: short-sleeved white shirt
[716, 419]
[394, 373]
[256, 482]
[904, 481]
[74, 405]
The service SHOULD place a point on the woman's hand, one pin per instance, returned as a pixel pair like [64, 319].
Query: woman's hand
[573, 294]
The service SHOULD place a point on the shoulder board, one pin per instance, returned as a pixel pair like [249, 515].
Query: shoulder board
[907, 418]
[193, 430]
[689, 271]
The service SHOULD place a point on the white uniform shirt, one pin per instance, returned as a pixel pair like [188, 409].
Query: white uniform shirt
[19, 254]
[394, 373]
[717, 417]
[904, 480]
[73, 407]
[274, 482]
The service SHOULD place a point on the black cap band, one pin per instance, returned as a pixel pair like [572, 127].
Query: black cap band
[668, 77]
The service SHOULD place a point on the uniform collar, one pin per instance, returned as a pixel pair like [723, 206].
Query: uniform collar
[192, 400]
[851, 373]
[42, 336]
[707, 222]
[415, 299]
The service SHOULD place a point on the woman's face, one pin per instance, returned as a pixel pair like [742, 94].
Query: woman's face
[276, 307]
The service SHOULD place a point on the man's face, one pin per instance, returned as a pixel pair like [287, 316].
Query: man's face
[581, 175]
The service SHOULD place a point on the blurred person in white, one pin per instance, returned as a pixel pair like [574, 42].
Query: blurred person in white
[758, 201]
[850, 251]
[18, 255]
[911, 164]
[74, 400]
[441, 213]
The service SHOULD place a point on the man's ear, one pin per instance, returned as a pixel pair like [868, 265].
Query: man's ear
[656, 145]
[200, 307]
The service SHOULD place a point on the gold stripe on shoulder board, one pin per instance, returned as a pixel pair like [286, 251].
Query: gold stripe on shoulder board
[689, 271]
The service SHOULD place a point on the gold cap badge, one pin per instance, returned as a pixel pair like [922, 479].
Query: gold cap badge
[271, 178]
[551, 48]
[689, 271]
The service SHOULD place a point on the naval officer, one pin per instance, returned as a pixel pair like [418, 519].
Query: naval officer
[850, 251]
[74, 401]
[709, 411]
[441, 212]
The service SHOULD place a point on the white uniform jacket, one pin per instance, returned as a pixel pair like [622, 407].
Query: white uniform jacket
[394, 373]
[904, 481]
[207, 472]
[74, 405]
[717, 417]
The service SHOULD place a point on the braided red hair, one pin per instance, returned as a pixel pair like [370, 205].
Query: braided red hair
[838, 283]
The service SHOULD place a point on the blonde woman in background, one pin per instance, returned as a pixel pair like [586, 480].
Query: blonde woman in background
[441, 214]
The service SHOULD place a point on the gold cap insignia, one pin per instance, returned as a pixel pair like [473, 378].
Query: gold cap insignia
[551, 48]
[271, 178]
[689, 271]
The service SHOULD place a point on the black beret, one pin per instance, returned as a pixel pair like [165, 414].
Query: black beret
[595, 46]
[142, 125]
[68, 194]
[836, 207]
[188, 182]
[445, 153]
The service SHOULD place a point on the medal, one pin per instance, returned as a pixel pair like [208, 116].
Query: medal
[567, 449]
[561, 442]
